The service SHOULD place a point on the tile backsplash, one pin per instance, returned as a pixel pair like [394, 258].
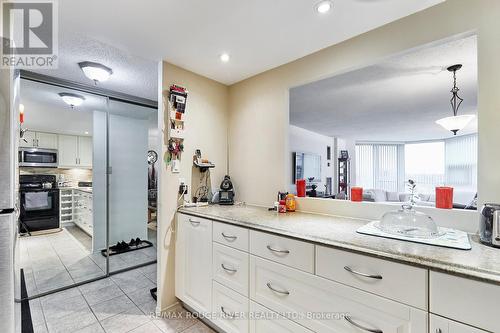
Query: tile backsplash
[73, 176]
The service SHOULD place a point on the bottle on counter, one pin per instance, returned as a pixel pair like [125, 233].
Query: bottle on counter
[282, 206]
[290, 202]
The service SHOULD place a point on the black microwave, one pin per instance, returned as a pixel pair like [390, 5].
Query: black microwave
[38, 157]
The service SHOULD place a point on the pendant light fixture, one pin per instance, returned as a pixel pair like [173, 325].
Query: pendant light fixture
[95, 71]
[455, 123]
[72, 99]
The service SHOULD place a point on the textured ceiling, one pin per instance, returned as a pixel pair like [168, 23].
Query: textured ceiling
[258, 34]
[398, 99]
[133, 75]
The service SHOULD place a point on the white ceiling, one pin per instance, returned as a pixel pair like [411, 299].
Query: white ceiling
[132, 75]
[258, 35]
[398, 99]
[45, 110]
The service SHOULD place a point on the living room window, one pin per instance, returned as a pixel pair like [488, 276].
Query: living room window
[450, 162]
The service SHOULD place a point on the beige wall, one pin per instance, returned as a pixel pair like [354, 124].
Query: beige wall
[206, 122]
[258, 118]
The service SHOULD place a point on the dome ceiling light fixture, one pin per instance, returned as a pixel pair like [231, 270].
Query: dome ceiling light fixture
[95, 71]
[72, 99]
[455, 123]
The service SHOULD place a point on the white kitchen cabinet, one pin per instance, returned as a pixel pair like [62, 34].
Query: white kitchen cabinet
[39, 140]
[85, 151]
[340, 309]
[193, 257]
[68, 151]
[46, 140]
[230, 268]
[230, 309]
[378, 276]
[75, 151]
[472, 302]
[442, 325]
[265, 320]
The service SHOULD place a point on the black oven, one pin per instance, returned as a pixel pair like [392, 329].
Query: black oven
[39, 200]
[38, 157]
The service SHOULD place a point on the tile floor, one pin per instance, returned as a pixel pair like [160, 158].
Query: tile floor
[121, 303]
[60, 259]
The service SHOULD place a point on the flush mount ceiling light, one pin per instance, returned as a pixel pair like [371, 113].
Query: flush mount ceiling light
[224, 57]
[72, 99]
[455, 123]
[323, 7]
[95, 71]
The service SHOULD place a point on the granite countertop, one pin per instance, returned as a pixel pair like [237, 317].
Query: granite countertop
[481, 262]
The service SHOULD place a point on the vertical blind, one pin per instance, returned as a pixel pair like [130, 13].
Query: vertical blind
[451, 162]
[379, 166]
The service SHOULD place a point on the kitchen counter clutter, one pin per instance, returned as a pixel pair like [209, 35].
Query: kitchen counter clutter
[314, 273]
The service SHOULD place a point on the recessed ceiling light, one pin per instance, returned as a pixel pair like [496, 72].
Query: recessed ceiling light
[224, 57]
[86, 132]
[95, 71]
[72, 99]
[324, 6]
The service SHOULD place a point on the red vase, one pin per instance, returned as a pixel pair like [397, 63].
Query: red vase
[356, 194]
[444, 197]
[301, 187]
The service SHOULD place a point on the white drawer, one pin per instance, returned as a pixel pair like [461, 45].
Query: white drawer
[230, 268]
[231, 235]
[403, 283]
[230, 309]
[284, 250]
[264, 320]
[442, 325]
[284, 289]
[468, 301]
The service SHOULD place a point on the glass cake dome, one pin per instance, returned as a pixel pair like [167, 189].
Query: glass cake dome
[409, 223]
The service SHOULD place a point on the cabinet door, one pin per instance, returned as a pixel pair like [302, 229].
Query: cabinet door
[46, 140]
[442, 325]
[68, 150]
[265, 320]
[30, 138]
[193, 262]
[326, 306]
[85, 151]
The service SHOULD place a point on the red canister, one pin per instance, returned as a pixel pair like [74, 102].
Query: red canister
[301, 187]
[444, 197]
[356, 194]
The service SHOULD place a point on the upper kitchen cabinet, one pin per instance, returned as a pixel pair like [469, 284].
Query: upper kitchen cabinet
[75, 151]
[85, 151]
[32, 139]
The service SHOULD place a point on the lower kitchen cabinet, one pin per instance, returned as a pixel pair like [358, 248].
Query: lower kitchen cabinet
[443, 325]
[327, 306]
[230, 309]
[193, 258]
[265, 320]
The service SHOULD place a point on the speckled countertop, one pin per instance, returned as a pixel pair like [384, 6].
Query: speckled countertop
[482, 262]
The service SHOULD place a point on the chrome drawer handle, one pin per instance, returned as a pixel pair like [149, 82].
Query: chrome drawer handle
[229, 237]
[230, 315]
[194, 222]
[439, 330]
[350, 270]
[283, 292]
[353, 323]
[231, 270]
[270, 248]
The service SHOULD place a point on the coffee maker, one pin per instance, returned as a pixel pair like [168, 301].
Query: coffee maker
[489, 225]
[226, 192]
